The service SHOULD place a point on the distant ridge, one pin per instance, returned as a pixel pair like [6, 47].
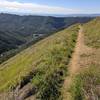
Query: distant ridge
[17, 32]
[77, 15]
[16, 29]
[54, 15]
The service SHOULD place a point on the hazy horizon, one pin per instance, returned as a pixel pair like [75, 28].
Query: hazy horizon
[50, 7]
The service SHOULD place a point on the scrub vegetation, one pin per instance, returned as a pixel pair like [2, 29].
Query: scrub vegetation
[47, 60]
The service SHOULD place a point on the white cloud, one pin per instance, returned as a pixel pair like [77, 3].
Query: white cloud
[34, 8]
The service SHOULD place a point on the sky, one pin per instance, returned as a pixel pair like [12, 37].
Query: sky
[50, 6]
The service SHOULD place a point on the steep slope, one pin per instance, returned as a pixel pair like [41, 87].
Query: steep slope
[85, 84]
[92, 33]
[40, 69]
[9, 41]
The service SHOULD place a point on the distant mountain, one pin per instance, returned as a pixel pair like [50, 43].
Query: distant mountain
[76, 15]
[16, 30]
[55, 15]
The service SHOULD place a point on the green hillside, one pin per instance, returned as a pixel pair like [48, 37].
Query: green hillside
[45, 62]
[92, 33]
[86, 85]
[63, 66]
[19, 32]
[16, 30]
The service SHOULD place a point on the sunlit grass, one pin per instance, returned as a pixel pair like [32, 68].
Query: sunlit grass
[92, 33]
[86, 84]
[47, 55]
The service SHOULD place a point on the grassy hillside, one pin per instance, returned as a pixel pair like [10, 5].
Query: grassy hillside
[47, 62]
[92, 33]
[86, 85]
[16, 32]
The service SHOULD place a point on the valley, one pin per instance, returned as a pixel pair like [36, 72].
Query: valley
[62, 66]
[19, 32]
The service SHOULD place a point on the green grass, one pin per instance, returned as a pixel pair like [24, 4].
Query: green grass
[85, 84]
[92, 33]
[48, 57]
[52, 68]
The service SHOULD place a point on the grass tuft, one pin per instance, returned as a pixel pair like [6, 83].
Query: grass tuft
[86, 84]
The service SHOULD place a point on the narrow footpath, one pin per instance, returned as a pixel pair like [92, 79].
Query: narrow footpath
[74, 65]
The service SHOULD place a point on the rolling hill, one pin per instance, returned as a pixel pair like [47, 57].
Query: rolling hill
[63, 66]
[42, 65]
[16, 30]
[86, 77]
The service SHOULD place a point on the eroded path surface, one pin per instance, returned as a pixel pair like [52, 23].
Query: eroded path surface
[75, 63]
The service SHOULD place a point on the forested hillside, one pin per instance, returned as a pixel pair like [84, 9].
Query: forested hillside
[16, 30]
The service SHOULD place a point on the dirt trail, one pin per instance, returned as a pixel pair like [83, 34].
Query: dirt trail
[82, 57]
[74, 65]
